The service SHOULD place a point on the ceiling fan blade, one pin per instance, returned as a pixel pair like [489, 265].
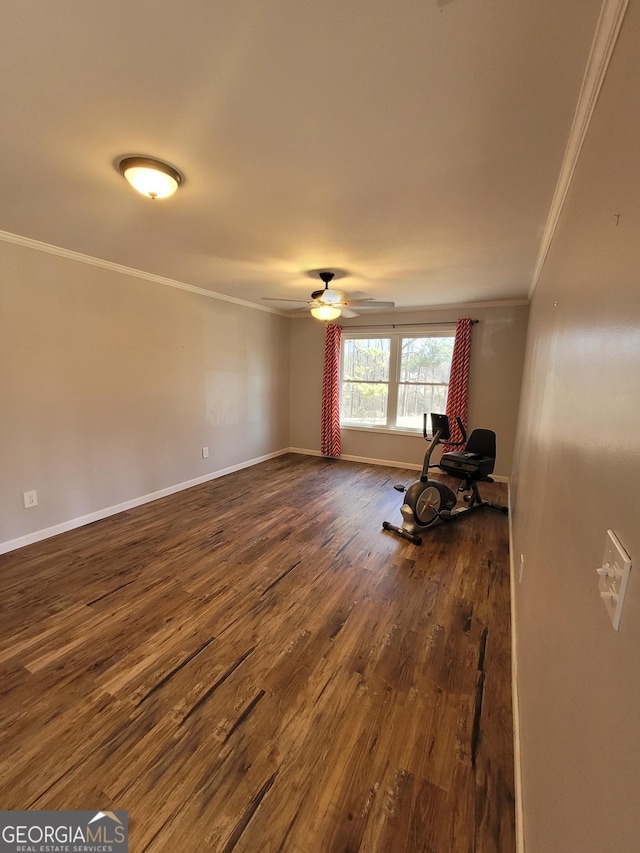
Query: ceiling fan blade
[348, 313]
[368, 303]
[282, 299]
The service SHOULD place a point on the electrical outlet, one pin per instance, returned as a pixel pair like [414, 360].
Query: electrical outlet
[521, 568]
[205, 452]
[30, 498]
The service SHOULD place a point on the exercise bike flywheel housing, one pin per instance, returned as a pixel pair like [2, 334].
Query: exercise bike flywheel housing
[428, 501]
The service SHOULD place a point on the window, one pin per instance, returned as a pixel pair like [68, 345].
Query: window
[389, 381]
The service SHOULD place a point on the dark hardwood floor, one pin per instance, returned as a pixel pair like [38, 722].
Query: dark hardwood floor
[254, 666]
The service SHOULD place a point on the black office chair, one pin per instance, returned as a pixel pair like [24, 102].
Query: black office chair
[472, 465]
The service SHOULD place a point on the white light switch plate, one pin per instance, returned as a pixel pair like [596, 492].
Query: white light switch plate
[613, 577]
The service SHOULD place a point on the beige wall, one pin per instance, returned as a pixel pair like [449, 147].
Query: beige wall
[496, 366]
[577, 473]
[110, 386]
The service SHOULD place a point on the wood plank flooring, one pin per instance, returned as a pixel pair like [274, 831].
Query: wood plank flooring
[254, 666]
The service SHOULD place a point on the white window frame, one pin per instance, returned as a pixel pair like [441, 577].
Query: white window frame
[446, 330]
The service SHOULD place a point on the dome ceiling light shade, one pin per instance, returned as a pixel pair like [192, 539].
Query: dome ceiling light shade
[325, 312]
[150, 177]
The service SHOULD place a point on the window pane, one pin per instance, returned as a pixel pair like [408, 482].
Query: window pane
[426, 359]
[415, 400]
[366, 359]
[421, 367]
[363, 403]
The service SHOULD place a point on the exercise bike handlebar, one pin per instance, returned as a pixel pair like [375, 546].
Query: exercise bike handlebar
[463, 433]
[434, 441]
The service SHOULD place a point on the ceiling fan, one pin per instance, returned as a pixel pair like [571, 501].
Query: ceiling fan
[329, 304]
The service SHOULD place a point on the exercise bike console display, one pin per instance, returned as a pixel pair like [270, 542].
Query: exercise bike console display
[439, 424]
[428, 500]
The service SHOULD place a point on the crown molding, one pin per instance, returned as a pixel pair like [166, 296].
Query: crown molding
[69, 254]
[457, 306]
[611, 16]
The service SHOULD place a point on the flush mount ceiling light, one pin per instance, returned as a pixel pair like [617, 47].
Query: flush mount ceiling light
[150, 177]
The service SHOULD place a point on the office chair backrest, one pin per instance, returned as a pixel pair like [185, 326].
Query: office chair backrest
[482, 441]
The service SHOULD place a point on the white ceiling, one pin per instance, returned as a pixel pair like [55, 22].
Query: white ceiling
[414, 144]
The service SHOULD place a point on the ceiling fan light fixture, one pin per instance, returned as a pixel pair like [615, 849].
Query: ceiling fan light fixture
[150, 177]
[326, 296]
[331, 296]
[325, 312]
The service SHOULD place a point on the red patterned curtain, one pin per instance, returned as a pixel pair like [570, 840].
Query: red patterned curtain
[459, 379]
[330, 426]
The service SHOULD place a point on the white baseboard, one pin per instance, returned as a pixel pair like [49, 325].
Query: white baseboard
[105, 512]
[73, 523]
[515, 698]
[304, 452]
[388, 463]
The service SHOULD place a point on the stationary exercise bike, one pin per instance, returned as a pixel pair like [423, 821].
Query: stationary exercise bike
[428, 501]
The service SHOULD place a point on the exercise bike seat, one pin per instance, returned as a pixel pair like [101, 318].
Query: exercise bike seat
[476, 461]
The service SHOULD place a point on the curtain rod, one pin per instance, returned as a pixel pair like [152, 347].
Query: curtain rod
[399, 325]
